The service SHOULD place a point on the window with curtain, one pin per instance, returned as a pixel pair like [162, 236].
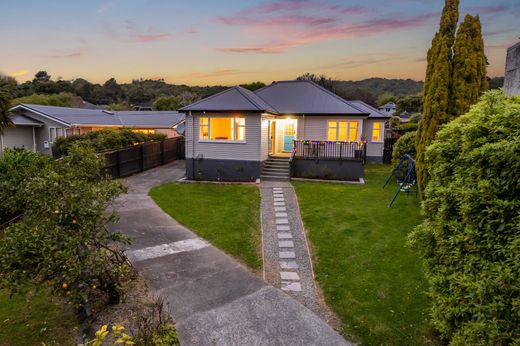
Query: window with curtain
[342, 130]
[222, 129]
[377, 132]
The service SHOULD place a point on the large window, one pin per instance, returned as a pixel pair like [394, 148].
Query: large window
[377, 132]
[342, 130]
[55, 132]
[222, 129]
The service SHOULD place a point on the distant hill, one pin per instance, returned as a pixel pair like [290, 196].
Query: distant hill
[379, 86]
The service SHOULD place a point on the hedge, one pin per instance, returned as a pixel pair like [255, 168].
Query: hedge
[470, 237]
[404, 145]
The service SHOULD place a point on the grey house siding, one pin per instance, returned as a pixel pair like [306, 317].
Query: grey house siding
[374, 149]
[17, 137]
[43, 132]
[226, 161]
[315, 127]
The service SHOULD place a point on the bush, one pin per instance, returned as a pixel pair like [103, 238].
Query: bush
[107, 139]
[470, 237]
[414, 118]
[407, 127]
[404, 145]
[395, 121]
[61, 240]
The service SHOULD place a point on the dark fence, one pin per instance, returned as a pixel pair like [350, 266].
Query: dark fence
[347, 151]
[138, 158]
[388, 149]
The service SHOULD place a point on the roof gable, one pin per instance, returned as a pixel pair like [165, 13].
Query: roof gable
[305, 97]
[232, 99]
[373, 112]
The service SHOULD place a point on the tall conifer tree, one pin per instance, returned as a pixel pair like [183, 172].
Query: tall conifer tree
[469, 67]
[437, 84]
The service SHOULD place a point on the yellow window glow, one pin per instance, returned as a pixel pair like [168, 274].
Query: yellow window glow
[204, 128]
[332, 130]
[240, 129]
[221, 129]
[353, 131]
[342, 130]
[377, 131]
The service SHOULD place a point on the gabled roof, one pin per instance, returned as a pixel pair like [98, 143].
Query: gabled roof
[372, 111]
[232, 99]
[96, 117]
[22, 120]
[388, 105]
[305, 97]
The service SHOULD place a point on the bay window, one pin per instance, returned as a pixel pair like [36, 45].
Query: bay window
[342, 130]
[222, 129]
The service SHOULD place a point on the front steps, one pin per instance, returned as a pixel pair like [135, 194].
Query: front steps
[276, 169]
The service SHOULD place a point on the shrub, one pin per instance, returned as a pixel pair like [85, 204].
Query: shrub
[107, 139]
[414, 118]
[470, 237]
[395, 121]
[61, 240]
[409, 127]
[404, 145]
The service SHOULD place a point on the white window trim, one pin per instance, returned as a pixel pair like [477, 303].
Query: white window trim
[382, 134]
[233, 131]
[359, 128]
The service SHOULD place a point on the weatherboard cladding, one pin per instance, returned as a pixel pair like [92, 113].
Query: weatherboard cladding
[96, 117]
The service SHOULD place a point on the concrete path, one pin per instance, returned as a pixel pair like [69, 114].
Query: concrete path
[213, 299]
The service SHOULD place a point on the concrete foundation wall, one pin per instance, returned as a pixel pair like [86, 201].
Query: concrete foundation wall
[223, 170]
[512, 76]
[327, 169]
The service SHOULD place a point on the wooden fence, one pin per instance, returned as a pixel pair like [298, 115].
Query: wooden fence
[138, 158]
[348, 151]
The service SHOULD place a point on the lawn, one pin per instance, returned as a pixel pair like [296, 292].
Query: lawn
[35, 318]
[369, 276]
[225, 215]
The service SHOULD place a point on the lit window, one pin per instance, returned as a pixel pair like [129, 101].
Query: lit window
[223, 129]
[342, 130]
[377, 132]
[144, 131]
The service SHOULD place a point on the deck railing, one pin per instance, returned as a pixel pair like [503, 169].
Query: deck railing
[331, 150]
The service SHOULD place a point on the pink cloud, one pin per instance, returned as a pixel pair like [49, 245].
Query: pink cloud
[130, 32]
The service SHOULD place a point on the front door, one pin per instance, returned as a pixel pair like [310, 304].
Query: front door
[289, 135]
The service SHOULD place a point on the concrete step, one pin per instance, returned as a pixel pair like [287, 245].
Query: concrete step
[267, 177]
[279, 159]
[277, 166]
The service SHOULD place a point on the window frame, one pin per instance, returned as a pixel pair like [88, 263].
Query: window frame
[348, 129]
[381, 132]
[235, 129]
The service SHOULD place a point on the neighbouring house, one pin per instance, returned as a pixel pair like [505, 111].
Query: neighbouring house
[388, 109]
[512, 76]
[294, 128]
[36, 126]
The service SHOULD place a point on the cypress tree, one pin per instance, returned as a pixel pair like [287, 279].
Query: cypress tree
[436, 96]
[469, 67]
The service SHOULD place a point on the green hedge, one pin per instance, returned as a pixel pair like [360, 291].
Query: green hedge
[470, 238]
[105, 140]
[404, 145]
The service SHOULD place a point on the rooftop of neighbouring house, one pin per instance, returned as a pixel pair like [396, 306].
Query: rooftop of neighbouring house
[388, 105]
[81, 116]
[285, 97]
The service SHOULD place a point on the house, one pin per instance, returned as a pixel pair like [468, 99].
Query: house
[238, 134]
[512, 75]
[388, 109]
[36, 126]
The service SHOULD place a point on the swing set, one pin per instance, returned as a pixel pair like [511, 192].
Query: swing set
[405, 175]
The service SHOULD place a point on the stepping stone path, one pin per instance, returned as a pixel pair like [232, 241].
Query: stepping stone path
[287, 263]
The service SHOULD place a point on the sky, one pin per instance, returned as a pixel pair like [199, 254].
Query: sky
[229, 42]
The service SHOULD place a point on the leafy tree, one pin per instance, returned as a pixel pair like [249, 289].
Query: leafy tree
[385, 98]
[113, 91]
[404, 145]
[5, 118]
[41, 76]
[166, 103]
[469, 66]
[322, 80]
[60, 100]
[395, 121]
[496, 82]
[62, 241]
[253, 86]
[470, 238]
[436, 86]
[119, 107]
[409, 103]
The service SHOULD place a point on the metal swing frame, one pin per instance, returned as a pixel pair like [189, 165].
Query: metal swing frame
[409, 180]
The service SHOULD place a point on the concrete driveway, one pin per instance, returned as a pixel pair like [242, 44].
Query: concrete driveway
[213, 299]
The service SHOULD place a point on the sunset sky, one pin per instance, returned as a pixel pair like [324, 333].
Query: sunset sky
[231, 42]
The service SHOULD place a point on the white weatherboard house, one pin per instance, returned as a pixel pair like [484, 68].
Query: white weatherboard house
[292, 128]
[36, 126]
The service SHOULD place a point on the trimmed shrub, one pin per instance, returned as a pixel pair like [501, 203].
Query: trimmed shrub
[404, 145]
[470, 237]
[107, 139]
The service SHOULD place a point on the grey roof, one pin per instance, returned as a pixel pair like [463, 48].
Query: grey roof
[232, 99]
[372, 111]
[22, 120]
[79, 116]
[305, 97]
[388, 105]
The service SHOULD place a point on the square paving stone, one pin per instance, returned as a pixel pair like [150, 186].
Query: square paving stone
[277, 189]
[286, 243]
[291, 286]
[279, 209]
[282, 221]
[283, 228]
[281, 215]
[288, 265]
[277, 199]
[279, 204]
[289, 276]
[287, 254]
[284, 236]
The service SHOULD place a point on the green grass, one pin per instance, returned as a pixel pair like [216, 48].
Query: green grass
[369, 276]
[225, 215]
[35, 318]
